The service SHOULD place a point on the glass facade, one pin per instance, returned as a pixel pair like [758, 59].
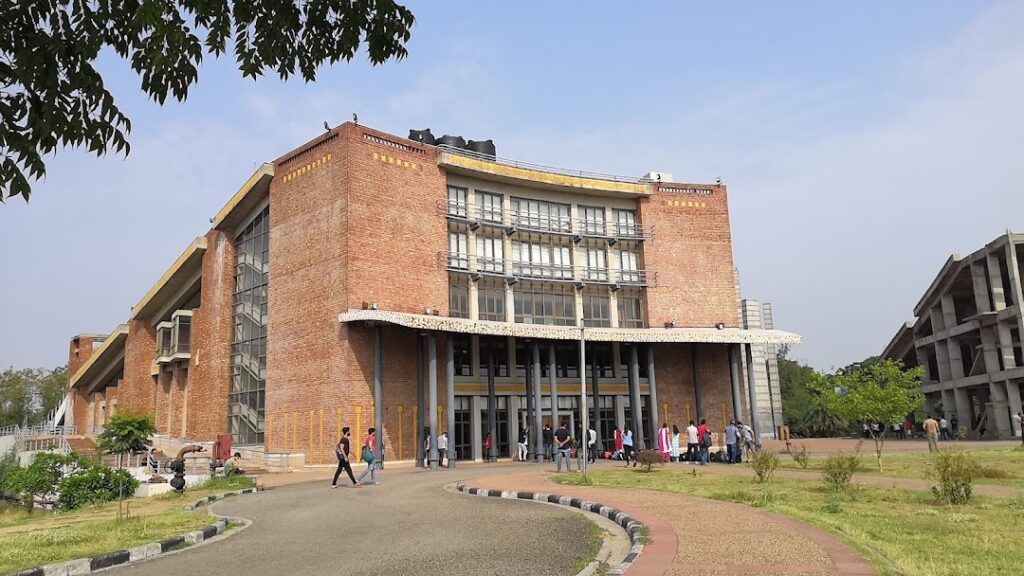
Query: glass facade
[553, 305]
[246, 399]
[491, 300]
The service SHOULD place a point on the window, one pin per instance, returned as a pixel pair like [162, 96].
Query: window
[593, 220]
[541, 260]
[247, 395]
[631, 310]
[599, 356]
[597, 266]
[457, 201]
[625, 223]
[490, 254]
[488, 206]
[458, 296]
[596, 308]
[541, 215]
[462, 352]
[500, 347]
[491, 300]
[629, 271]
[551, 305]
[458, 250]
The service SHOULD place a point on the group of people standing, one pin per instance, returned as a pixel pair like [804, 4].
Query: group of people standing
[699, 441]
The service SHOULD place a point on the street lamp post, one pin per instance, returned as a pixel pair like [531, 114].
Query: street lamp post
[584, 416]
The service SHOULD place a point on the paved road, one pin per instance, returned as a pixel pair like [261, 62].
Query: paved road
[407, 525]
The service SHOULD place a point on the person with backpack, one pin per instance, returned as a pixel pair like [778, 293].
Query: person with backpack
[367, 456]
[704, 437]
[442, 448]
[747, 433]
[342, 452]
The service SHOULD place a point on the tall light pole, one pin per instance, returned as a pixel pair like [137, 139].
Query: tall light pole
[584, 416]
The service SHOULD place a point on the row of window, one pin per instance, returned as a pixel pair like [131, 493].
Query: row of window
[539, 260]
[541, 214]
[540, 304]
[600, 358]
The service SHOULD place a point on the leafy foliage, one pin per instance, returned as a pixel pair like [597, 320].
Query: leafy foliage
[801, 457]
[874, 392]
[96, 485]
[804, 412]
[126, 432]
[954, 470]
[52, 95]
[43, 477]
[764, 464]
[27, 395]
[837, 470]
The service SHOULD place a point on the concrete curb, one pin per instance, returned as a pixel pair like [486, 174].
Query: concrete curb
[633, 528]
[139, 553]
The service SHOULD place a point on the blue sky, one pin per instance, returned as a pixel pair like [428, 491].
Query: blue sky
[862, 144]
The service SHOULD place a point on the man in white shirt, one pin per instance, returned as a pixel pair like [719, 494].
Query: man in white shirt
[944, 429]
[592, 445]
[692, 447]
[442, 448]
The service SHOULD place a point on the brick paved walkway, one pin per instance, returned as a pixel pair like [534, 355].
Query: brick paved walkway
[697, 537]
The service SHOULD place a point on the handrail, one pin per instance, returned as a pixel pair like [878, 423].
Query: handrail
[530, 166]
[459, 262]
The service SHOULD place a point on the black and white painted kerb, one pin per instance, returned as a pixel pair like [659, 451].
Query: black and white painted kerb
[102, 561]
[633, 527]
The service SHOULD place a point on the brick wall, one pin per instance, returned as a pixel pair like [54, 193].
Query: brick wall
[137, 391]
[674, 371]
[692, 253]
[208, 369]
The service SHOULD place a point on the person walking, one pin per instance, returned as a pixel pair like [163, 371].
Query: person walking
[747, 433]
[664, 442]
[524, 435]
[367, 456]
[563, 448]
[442, 448]
[426, 447]
[675, 443]
[954, 428]
[617, 454]
[944, 429]
[931, 430]
[548, 436]
[692, 443]
[627, 447]
[487, 448]
[704, 437]
[591, 445]
[342, 452]
[732, 446]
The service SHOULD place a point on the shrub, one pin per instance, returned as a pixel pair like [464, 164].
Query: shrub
[96, 485]
[837, 470]
[954, 470]
[764, 464]
[8, 467]
[648, 458]
[832, 506]
[801, 457]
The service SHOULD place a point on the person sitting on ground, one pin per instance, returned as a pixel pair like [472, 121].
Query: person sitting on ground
[231, 467]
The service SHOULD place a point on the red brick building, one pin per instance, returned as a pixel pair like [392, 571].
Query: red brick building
[365, 279]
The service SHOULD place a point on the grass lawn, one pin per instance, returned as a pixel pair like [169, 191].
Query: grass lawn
[1000, 466]
[899, 531]
[44, 537]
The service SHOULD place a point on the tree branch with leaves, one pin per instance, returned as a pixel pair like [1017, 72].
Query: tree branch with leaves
[880, 392]
[52, 95]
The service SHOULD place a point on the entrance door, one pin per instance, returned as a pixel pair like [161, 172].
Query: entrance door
[501, 419]
[463, 433]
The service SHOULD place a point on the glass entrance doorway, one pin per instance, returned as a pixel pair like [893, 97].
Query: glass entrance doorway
[501, 443]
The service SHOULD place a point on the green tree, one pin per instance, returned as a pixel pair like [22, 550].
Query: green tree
[880, 392]
[52, 95]
[16, 388]
[126, 432]
[51, 388]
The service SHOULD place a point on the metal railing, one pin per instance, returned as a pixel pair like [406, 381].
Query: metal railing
[515, 220]
[460, 262]
[540, 167]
